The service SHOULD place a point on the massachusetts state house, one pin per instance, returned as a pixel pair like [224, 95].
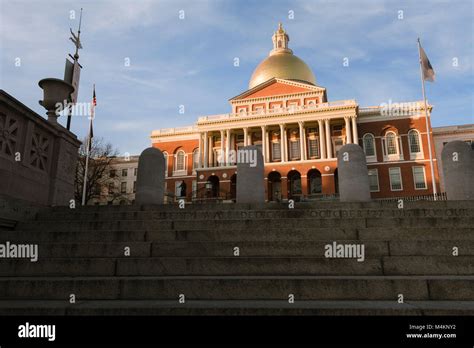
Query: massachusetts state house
[287, 115]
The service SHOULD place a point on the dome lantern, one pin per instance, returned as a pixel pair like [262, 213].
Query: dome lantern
[280, 41]
[282, 63]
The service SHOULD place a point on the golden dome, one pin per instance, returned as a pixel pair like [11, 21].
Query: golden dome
[282, 63]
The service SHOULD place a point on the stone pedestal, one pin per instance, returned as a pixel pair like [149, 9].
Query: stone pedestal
[250, 175]
[458, 168]
[353, 174]
[150, 177]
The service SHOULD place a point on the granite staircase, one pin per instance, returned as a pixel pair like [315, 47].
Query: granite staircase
[131, 260]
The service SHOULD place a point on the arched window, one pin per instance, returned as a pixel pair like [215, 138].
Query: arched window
[179, 161]
[195, 159]
[391, 143]
[414, 141]
[369, 144]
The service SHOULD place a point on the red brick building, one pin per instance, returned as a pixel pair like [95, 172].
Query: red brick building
[288, 116]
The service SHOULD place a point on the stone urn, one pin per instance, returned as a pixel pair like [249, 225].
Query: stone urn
[54, 91]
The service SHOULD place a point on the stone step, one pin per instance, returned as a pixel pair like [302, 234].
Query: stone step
[433, 234]
[309, 248]
[83, 236]
[238, 224]
[409, 235]
[239, 266]
[171, 266]
[58, 267]
[234, 307]
[327, 204]
[92, 250]
[357, 288]
[185, 214]
[428, 265]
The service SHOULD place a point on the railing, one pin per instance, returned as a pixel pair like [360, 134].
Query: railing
[205, 195]
[278, 111]
[439, 197]
[175, 130]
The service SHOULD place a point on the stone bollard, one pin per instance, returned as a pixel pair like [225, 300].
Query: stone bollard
[458, 168]
[150, 177]
[250, 175]
[353, 174]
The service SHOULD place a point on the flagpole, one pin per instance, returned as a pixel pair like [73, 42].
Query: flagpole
[87, 156]
[428, 132]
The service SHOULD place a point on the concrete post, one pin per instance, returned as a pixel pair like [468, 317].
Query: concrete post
[250, 175]
[353, 174]
[150, 177]
[458, 168]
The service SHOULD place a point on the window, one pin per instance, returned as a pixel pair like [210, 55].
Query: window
[391, 143]
[111, 187]
[337, 130]
[124, 172]
[374, 180]
[112, 173]
[180, 163]
[414, 144]
[134, 186]
[369, 144]
[123, 187]
[294, 149]
[395, 179]
[276, 153]
[195, 159]
[419, 178]
[313, 147]
[135, 170]
[414, 139]
[242, 111]
[338, 143]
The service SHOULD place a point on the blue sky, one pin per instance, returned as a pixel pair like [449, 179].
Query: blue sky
[189, 61]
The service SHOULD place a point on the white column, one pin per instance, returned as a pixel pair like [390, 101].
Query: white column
[328, 139]
[355, 134]
[267, 146]
[282, 142]
[322, 141]
[227, 147]
[211, 151]
[246, 136]
[264, 145]
[206, 149]
[222, 153]
[302, 140]
[200, 151]
[348, 131]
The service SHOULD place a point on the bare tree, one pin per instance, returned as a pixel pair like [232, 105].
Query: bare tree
[100, 163]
